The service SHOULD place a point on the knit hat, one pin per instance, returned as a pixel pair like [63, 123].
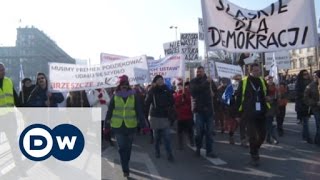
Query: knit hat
[156, 78]
[123, 80]
[25, 80]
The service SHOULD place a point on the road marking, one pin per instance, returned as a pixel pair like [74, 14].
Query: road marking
[215, 161]
[247, 171]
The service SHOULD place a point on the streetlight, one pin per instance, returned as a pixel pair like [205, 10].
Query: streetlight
[175, 27]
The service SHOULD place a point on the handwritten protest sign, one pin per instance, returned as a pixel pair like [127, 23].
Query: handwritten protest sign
[106, 58]
[228, 70]
[283, 25]
[171, 66]
[70, 77]
[282, 59]
[171, 48]
[189, 46]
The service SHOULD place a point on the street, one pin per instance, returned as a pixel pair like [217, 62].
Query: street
[291, 159]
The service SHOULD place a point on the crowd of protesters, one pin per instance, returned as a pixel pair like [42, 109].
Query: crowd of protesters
[250, 104]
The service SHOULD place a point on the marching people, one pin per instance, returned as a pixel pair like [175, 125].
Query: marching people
[312, 99]
[220, 106]
[252, 104]
[123, 116]
[41, 97]
[302, 109]
[182, 101]
[8, 122]
[159, 100]
[202, 90]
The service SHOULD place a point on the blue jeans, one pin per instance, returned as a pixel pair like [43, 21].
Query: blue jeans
[203, 127]
[317, 137]
[125, 145]
[305, 128]
[165, 134]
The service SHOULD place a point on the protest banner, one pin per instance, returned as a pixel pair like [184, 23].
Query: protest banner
[209, 68]
[171, 66]
[71, 77]
[171, 48]
[201, 29]
[283, 25]
[189, 46]
[282, 58]
[228, 70]
[106, 58]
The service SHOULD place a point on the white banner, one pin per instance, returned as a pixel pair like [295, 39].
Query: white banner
[171, 66]
[71, 77]
[228, 70]
[209, 68]
[284, 25]
[107, 58]
[171, 48]
[282, 58]
[201, 29]
[189, 46]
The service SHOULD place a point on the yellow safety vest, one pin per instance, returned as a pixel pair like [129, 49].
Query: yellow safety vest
[244, 86]
[124, 112]
[6, 97]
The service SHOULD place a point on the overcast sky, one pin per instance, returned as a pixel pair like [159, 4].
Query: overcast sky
[84, 29]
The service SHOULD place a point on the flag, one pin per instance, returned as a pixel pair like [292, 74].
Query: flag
[227, 95]
[274, 70]
[21, 76]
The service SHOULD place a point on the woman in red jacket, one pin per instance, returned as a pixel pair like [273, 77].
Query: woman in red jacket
[182, 99]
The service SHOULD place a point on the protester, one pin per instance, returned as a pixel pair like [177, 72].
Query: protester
[77, 99]
[312, 99]
[41, 97]
[252, 104]
[302, 109]
[159, 100]
[182, 100]
[282, 103]
[25, 92]
[202, 90]
[220, 106]
[123, 116]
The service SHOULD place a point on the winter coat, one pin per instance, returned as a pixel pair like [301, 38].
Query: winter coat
[38, 97]
[77, 99]
[201, 101]
[311, 96]
[301, 107]
[23, 97]
[159, 100]
[182, 103]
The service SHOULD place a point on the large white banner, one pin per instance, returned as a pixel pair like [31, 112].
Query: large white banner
[282, 59]
[228, 70]
[284, 25]
[189, 46]
[171, 66]
[106, 58]
[171, 48]
[70, 77]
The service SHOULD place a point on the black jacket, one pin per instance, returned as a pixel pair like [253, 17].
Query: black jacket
[23, 97]
[202, 100]
[159, 100]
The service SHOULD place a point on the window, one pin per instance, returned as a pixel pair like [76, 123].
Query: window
[301, 63]
[294, 64]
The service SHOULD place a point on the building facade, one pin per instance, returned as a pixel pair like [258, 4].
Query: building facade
[304, 59]
[33, 50]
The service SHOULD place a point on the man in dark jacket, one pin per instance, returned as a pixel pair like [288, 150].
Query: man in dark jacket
[202, 90]
[252, 104]
[24, 94]
[41, 97]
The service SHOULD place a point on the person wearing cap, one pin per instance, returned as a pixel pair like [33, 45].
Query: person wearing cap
[312, 99]
[24, 94]
[41, 97]
[159, 100]
[252, 104]
[123, 116]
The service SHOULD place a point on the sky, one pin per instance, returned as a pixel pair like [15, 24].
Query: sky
[85, 28]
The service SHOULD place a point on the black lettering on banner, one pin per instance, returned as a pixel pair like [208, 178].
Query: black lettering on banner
[231, 36]
[261, 38]
[221, 8]
[254, 16]
[279, 39]
[263, 26]
[213, 30]
[248, 41]
[239, 25]
[296, 30]
[240, 42]
[272, 40]
[272, 9]
[240, 14]
[281, 7]
[304, 35]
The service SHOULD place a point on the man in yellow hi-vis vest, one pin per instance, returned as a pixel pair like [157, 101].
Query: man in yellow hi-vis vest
[252, 103]
[124, 113]
[8, 122]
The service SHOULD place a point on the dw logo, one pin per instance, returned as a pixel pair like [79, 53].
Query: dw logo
[38, 142]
